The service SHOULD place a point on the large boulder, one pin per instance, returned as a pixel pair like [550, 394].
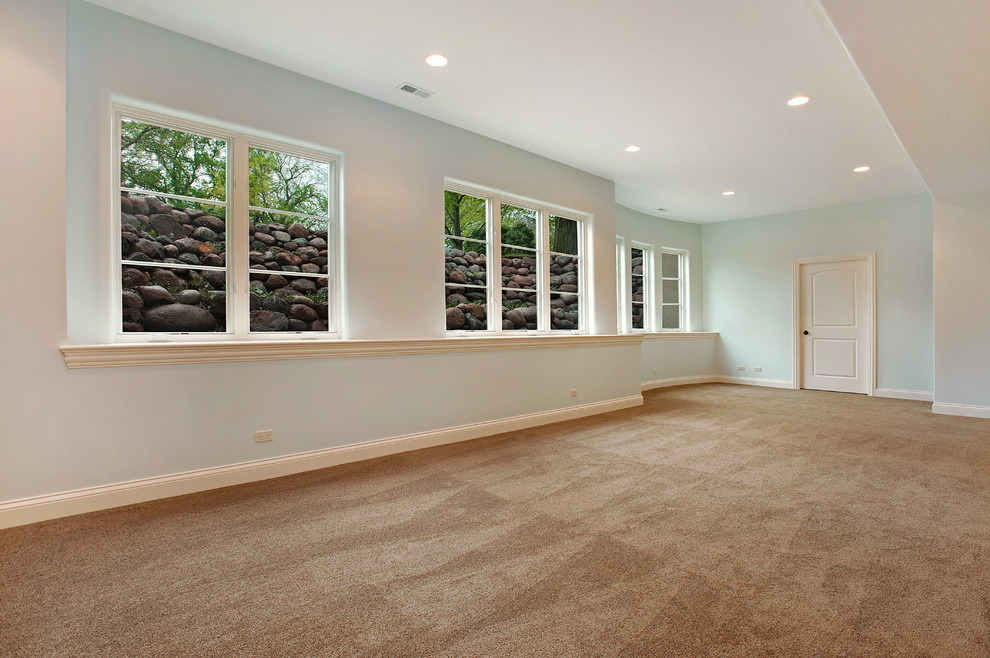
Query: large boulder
[131, 304]
[155, 295]
[215, 224]
[302, 312]
[139, 205]
[455, 318]
[156, 205]
[166, 225]
[516, 317]
[268, 321]
[276, 304]
[132, 277]
[167, 279]
[297, 230]
[179, 317]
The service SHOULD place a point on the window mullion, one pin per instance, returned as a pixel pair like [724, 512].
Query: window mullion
[650, 290]
[238, 306]
[543, 269]
[494, 264]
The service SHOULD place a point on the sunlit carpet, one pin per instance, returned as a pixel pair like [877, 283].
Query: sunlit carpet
[715, 520]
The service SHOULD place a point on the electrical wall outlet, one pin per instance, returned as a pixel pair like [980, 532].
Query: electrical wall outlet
[654, 371]
[758, 369]
[573, 392]
[262, 436]
[740, 367]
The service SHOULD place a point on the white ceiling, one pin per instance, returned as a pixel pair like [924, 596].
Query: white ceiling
[700, 85]
[928, 61]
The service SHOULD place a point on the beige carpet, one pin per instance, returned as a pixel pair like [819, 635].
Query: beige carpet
[714, 521]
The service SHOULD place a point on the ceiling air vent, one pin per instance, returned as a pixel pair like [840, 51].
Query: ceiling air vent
[414, 90]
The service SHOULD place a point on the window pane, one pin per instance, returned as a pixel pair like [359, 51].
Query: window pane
[519, 269]
[637, 316]
[564, 274]
[518, 227]
[670, 265]
[565, 311]
[283, 302]
[519, 310]
[163, 299]
[465, 267]
[152, 230]
[637, 289]
[291, 244]
[636, 263]
[289, 183]
[464, 245]
[163, 160]
[467, 308]
[671, 291]
[465, 216]
[563, 235]
[671, 317]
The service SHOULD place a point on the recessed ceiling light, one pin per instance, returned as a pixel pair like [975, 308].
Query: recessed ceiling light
[632, 148]
[728, 193]
[860, 170]
[798, 100]
[436, 59]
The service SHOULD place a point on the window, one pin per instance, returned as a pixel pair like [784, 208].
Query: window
[641, 289]
[672, 302]
[639, 292]
[222, 233]
[538, 281]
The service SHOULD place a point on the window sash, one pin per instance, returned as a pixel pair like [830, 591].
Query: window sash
[646, 279]
[237, 267]
[681, 302]
[494, 249]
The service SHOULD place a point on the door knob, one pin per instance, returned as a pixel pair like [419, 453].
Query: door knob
[805, 332]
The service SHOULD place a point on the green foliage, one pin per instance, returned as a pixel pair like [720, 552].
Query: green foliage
[464, 215]
[288, 183]
[163, 160]
[169, 161]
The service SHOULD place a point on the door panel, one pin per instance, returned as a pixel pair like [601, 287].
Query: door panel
[834, 358]
[836, 323]
[834, 298]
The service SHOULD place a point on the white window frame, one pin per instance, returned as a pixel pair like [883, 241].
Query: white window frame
[239, 142]
[682, 282]
[622, 283]
[648, 286]
[494, 200]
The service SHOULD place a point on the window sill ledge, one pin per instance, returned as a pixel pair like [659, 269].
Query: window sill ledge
[681, 335]
[156, 354]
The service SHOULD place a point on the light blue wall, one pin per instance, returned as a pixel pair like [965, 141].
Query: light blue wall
[748, 270]
[62, 430]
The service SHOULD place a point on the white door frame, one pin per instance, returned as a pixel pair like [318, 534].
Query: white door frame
[871, 261]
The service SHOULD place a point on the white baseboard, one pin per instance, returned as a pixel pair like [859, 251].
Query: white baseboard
[677, 381]
[902, 394]
[717, 379]
[972, 410]
[91, 499]
[754, 381]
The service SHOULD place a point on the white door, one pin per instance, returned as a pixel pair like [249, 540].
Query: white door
[836, 325]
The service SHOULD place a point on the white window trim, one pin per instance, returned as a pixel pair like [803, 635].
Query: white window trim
[239, 140]
[649, 297]
[544, 210]
[157, 354]
[623, 281]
